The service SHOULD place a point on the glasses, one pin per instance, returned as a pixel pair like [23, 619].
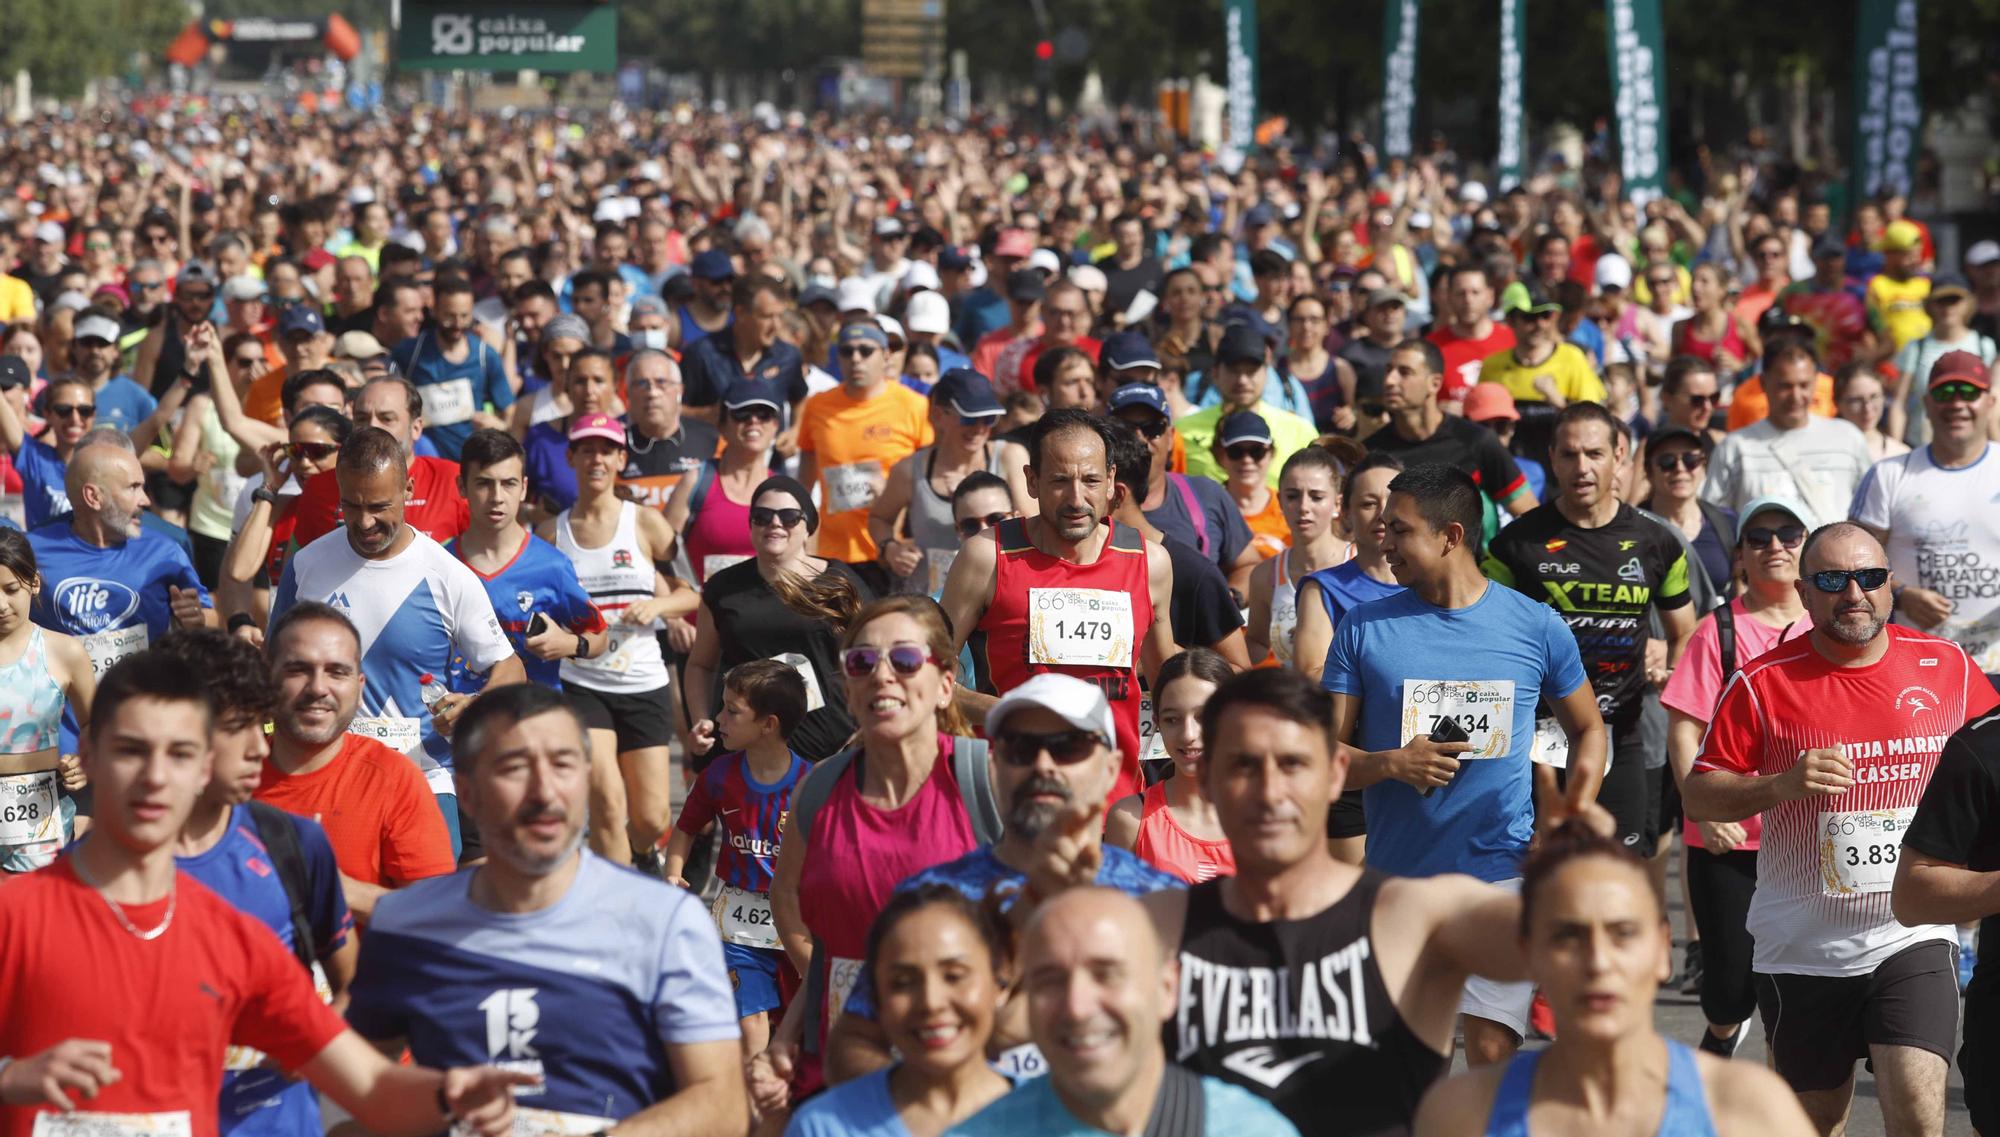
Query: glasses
[1834, 581]
[144, 285]
[204, 295]
[73, 410]
[857, 351]
[752, 414]
[249, 360]
[978, 422]
[974, 526]
[1689, 461]
[761, 515]
[1956, 393]
[97, 246]
[159, 238]
[1247, 452]
[1787, 535]
[1152, 426]
[904, 659]
[1067, 747]
[312, 451]
[1703, 400]
[1067, 313]
[1662, 281]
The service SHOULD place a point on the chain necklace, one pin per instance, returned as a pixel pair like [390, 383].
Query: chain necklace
[173, 897]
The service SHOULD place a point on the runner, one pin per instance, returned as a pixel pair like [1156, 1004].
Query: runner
[46, 673]
[1456, 645]
[710, 512]
[1173, 826]
[1326, 595]
[1242, 448]
[1791, 453]
[592, 387]
[435, 506]
[1602, 567]
[910, 522]
[1239, 384]
[849, 437]
[1309, 494]
[1202, 611]
[1420, 431]
[464, 967]
[1190, 507]
[1857, 711]
[71, 407]
[1468, 333]
[458, 375]
[663, 445]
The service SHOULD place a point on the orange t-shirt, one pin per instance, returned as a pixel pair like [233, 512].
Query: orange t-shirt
[855, 441]
[265, 400]
[1749, 404]
[376, 809]
[1269, 534]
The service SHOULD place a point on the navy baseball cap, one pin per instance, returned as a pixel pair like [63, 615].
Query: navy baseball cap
[1126, 350]
[968, 393]
[1241, 343]
[752, 393]
[951, 258]
[818, 294]
[1025, 286]
[1140, 395]
[301, 318]
[713, 265]
[1260, 214]
[1242, 426]
[14, 372]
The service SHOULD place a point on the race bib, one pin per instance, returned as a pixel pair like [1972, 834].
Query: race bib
[840, 976]
[1020, 1062]
[28, 813]
[852, 486]
[448, 402]
[1858, 850]
[107, 648]
[799, 663]
[1484, 709]
[617, 655]
[401, 734]
[1551, 746]
[1151, 745]
[939, 562]
[80, 1124]
[716, 562]
[1079, 627]
[744, 918]
[538, 1122]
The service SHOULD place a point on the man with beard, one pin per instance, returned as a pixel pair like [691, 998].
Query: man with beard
[1832, 737]
[377, 812]
[416, 607]
[511, 961]
[1053, 761]
[458, 375]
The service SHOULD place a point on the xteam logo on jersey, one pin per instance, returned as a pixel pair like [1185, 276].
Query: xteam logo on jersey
[93, 605]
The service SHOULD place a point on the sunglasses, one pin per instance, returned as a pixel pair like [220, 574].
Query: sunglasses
[857, 351]
[1067, 747]
[96, 247]
[72, 410]
[974, 526]
[249, 360]
[1153, 426]
[1834, 581]
[761, 515]
[1690, 461]
[1788, 535]
[904, 659]
[752, 414]
[203, 295]
[144, 285]
[1956, 393]
[1247, 451]
[312, 451]
[975, 422]
[1704, 400]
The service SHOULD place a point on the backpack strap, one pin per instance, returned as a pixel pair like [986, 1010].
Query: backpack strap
[1725, 639]
[1181, 1110]
[1193, 504]
[703, 479]
[280, 834]
[975, 788]
[811, 793]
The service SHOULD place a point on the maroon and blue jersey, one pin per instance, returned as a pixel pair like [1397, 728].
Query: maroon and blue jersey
[752, 815]
[539, 579]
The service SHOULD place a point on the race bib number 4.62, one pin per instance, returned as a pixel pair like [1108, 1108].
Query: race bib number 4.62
[1858, 850]
[1079, 627]
[744, 918]
[1484, 709]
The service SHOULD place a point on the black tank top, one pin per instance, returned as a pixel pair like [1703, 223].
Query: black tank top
[1296, 1012]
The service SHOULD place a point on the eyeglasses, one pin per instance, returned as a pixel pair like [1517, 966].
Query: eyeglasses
[1066, 313]
[752, 414]
[73, 410]
[1788, 535]
[1152, 426]
[761, 515]
[857, 351]
[904, 659]
[1956, 393]
[1067, 747]
[312, 451]
[1662, 281]
[202, 294]
[159, 238]
[1834, 581]
[1689, 461]
[1247, 451]
[974, 526]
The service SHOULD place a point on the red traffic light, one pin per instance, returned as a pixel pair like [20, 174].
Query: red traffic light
[1045, 50]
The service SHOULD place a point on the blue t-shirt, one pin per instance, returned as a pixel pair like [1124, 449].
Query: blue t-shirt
[124, 404]
[43, 494]
[1480, 823]
[546, 463]
[452, 392]
[1344, 587]
[1228, 533]
[538, 579]
[585, 993]
[1033, 1107]
[260, 1102]
[858, 1108]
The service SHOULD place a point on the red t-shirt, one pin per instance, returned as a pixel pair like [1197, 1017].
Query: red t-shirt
[435, 508]
[378, 813]
[169, 1007]
[1462, 357]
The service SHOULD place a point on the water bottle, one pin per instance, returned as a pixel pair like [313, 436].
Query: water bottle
[432, 691]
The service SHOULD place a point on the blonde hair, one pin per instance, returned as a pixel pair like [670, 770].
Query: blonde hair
[929, 616]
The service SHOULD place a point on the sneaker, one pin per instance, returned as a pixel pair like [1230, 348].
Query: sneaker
[1691, 970]
[1724, 1047]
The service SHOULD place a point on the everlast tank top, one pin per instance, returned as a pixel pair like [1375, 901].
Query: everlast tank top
[1296, 1012]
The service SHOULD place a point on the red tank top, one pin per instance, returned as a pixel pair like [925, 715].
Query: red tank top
[1055, 595]
[1163, 844]
[1687, 343]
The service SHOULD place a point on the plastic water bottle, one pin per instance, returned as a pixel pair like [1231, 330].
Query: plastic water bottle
[432, 691]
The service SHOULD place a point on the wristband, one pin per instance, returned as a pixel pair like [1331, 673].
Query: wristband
[444, 1106]
[239, 620]
[265, 495]
[582, 648]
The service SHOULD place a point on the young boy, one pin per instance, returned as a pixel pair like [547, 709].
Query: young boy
[750, 789]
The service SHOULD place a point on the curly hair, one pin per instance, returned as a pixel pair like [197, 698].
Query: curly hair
[234, 672]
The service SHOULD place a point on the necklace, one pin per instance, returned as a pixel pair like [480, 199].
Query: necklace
[117, 913]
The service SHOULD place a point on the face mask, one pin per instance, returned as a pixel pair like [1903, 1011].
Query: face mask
[651, 338]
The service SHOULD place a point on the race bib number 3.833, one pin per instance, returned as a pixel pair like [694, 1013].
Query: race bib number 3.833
[1079, 627]
[1858, 850]
[1484, 709]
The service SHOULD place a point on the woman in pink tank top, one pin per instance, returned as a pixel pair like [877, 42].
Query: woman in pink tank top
[1173, 826]
[895, 811]
[710, 508]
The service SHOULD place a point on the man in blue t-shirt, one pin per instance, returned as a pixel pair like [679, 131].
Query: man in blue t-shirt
[459, 376]
[94, 355]
[1454, 646]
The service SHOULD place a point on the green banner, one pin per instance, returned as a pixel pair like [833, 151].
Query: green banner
[1508, 162]
[444, 36]
[1639, 95]
[1239, 25]
[1887, 110]
[1399, 76]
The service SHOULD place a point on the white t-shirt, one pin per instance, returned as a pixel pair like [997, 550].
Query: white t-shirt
[1944, 535]
[1819, 465]
[1916, 360]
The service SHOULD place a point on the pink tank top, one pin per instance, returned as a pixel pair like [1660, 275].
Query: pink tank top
[1163, 844]
[718, 533]
[857, 854]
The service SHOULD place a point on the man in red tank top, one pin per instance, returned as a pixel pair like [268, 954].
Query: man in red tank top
[1069, 591]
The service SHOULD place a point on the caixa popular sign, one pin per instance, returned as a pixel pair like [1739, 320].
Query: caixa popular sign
[508, 37]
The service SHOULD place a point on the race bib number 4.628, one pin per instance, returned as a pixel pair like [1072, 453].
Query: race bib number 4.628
[1079, 627]
[1858, 850]
[1484, 709]
[79, 1123]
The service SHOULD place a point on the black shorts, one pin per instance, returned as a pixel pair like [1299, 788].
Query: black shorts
[1347, 818]
[1629, 791]
[1819, 1026]
[1667, 814]
[1980, 1052]
[640, 721]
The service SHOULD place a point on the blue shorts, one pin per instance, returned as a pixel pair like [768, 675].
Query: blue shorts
[753, 972]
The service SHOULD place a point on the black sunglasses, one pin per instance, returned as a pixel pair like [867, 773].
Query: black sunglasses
[72, 410]
[1788, 535]
[249, 360]
[1834, 581]
[1956, 393]
[752, 413]
[1254, 451]
[1703, 400]
[974, 526]
[904, 660]
[1152, 426]
[313, 451]
[857, 351]
[1690, 461]
[1067, 747]
[761, 515]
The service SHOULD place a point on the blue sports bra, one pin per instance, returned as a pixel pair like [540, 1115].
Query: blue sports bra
[1686, 1113]
[31, 704]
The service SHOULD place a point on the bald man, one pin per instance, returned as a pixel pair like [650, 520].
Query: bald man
[1099, 989]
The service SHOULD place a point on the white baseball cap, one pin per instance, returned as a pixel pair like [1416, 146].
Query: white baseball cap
[1982, 254]
[1613, 271]
[1474, 192]
[1076, 702]
[922, 274]
[1090, 278]
[855, 295]
[928, 312]
[1046, 260]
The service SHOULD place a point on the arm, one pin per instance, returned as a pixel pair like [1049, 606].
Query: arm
[1256, 638]
[885, 515]
[679, 845]
[1014, 468]
[1933, 891]
[698, 676]
[1588, 743]
[1478, 927]
[361, 897]
[1234, 648]
[1238, 571]
[146, 433]
[1721, 795]
[1422, 763]
[13, 432]
[1313, 634]
[253, 435]
[1121, 826]
[968, 591]
[1159, 644]
[402, 1101]
[708, 1098]
[181, 462]
[1680, 628]
[676, 511]
[785, 912]
[1521, 502]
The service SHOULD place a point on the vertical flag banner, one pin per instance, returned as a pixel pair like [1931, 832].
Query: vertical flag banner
[1508, 161]
[1887, 111]
[1239, 19]
[1639, 95]
[1399, 76]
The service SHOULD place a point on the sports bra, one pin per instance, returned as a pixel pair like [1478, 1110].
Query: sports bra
[1686, 1114]
[31, 704]
[1166, 846]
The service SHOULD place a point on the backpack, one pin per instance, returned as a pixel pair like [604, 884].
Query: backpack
[280, 833]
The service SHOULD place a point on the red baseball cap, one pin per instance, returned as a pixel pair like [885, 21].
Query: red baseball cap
[1959, 367]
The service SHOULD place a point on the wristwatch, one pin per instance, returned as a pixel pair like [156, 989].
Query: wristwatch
[241, 620]
[264, 494]
[582, 648]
